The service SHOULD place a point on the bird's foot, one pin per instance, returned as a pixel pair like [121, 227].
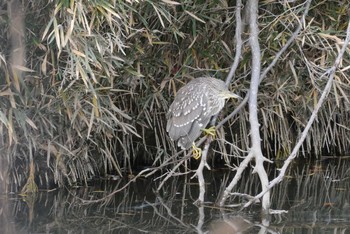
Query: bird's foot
[196, 151]
[210, 131]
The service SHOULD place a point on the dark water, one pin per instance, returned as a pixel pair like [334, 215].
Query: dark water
[316, 195]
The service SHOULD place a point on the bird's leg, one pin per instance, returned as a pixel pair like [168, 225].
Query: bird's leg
[196, 151]
[210, 131]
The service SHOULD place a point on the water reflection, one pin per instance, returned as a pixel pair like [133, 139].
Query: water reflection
[235, 224]
[316, 195]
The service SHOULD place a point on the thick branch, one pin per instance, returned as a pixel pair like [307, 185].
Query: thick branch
[255, 80]
[253, 102]
[272, 64]
[313, 116]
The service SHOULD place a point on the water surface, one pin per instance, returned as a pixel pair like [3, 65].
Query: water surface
[316, 196]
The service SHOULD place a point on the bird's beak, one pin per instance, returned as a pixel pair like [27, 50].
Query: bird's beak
[231, 95]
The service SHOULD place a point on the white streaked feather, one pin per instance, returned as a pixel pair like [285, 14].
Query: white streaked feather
[192, 109]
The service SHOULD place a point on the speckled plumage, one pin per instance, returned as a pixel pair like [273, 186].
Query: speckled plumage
[194, 105]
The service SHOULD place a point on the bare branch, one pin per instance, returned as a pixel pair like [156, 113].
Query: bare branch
[253, 102]
[239, 42]
[271, 65]
[234, 66]
[331, 73]
[233, 183]
[199, 173]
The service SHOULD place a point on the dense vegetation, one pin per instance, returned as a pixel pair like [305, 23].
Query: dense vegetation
[99, 76]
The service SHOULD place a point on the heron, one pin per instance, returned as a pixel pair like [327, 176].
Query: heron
[193, 107]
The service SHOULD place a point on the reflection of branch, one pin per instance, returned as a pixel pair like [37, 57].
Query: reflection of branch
[330, 72]
[201, 218]
[146, 173]
[171, 173]
[171, 215]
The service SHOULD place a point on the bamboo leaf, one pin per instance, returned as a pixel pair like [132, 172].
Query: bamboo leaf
[195, 17]
[3, 119]
[171, 2]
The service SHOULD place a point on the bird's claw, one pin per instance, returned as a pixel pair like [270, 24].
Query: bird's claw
[210, 131]
[197, 152]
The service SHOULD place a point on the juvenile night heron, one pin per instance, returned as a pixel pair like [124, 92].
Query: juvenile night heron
[193, 107]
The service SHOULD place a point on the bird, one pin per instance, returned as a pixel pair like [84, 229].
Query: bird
[193, 107]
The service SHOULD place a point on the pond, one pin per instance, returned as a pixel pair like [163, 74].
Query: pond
[315, 194]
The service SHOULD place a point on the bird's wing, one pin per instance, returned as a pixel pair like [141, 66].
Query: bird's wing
[185, 118]
[195, 131]
[181, 117]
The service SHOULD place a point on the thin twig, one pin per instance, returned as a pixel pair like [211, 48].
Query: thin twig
[172, 172]
[239, 43]
[242, 166]
[199, 173]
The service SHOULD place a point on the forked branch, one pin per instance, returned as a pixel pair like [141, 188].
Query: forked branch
[330, 72]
